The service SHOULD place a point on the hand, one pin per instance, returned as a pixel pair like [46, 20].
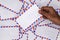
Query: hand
[50, 13]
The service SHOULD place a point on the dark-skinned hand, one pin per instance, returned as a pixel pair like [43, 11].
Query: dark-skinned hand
[49, 12]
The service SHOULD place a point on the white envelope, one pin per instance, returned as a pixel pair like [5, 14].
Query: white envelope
[29, 17]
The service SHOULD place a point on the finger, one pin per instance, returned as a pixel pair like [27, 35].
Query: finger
[53, 11]
[49, 9]
[47, 15]
[45, 9]
[44, 17]
[50, 6]
[40, 13]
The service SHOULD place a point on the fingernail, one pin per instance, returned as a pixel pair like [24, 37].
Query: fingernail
[39, 11]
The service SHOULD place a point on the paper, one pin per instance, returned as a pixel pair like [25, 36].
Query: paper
[29, 17]
[47, 32]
